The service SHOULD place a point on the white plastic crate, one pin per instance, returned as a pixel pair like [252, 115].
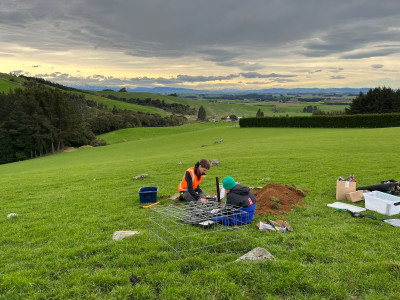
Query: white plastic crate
[382, 203]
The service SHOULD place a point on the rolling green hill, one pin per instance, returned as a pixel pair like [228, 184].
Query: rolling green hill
[123, 105]
[214, 109]
[8, 82]
[221, 109]
[70, 204]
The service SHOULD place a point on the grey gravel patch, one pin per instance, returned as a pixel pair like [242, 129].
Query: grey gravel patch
[257, 254]
[141, 176]
[120, 235]
[214, 162]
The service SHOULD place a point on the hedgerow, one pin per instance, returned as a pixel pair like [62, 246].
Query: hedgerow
[326, 121]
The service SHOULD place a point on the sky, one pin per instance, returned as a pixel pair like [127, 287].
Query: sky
[203, 44]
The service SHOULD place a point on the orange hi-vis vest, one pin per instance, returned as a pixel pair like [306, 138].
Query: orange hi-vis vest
[183, 186]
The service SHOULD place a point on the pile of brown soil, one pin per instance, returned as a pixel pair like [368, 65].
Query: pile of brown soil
[276, 199]
[69, 149]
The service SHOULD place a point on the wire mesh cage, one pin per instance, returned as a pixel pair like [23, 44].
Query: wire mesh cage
[184, 227]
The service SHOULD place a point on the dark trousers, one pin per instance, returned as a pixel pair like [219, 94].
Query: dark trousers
[188, 197]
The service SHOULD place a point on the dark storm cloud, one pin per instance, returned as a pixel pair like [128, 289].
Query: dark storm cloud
[17, 72]
[258, 75]
[235, 33]
[245, 66]
[98, 79]
[249, 66]
[204, 78]
[372, 53]
[6, 55]
[283, 80]
[337, 77]
[54, 75]
[377, 66]
[335, 70]
[354, 37]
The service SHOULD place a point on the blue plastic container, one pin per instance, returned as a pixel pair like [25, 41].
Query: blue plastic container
[148, 194]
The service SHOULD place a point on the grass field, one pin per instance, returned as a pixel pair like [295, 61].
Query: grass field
[213, 109]
[123, 105]
[6, 85]
[217, 110]
[69, 205]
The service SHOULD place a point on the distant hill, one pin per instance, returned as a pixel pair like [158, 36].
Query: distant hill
[8, 81]
[182, 91]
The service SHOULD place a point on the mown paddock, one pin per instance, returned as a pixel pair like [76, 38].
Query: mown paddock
[69, 205]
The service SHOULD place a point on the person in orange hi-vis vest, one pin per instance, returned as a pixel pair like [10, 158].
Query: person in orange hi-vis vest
[189, 187]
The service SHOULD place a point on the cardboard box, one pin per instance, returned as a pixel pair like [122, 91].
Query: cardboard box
[344, 187]
[382, 203]
[355, 196]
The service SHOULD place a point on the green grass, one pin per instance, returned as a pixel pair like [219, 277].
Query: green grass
[6, 84]
[69, 205]
[125, 135]
[128, 95]
[123, 105]
[215, 109]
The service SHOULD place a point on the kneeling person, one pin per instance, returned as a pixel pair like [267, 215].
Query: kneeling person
[238, 195]
[190, 185]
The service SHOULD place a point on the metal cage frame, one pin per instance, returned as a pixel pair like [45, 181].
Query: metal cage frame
[193, 226]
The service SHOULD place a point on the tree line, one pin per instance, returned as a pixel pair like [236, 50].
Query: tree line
[39, 120]
[34, 81]
[175, 108]
[35, 121]
[309, 109]
[109, 120]
[378, 100]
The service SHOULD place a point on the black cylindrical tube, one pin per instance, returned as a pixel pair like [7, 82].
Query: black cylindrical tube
[383, 187]
[218, 196]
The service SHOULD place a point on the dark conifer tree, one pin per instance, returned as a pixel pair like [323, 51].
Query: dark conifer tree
[202, 115]
[378, 100]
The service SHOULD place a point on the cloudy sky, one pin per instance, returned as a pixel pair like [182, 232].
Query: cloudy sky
[251, 44]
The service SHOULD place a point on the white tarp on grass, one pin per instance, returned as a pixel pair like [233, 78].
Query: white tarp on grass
[341, 205]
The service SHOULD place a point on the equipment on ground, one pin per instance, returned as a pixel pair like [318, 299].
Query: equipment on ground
[392, 186]
[357, 214]
[274, 225]
[150, 205]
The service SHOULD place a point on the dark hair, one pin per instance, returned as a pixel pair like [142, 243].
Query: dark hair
[204, 163]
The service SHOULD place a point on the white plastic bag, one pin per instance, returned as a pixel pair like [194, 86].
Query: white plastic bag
[222, 193]
[393, 222]
[265, 226]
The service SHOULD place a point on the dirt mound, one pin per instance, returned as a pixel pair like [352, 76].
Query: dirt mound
[69, 149]
[276, 199]
[86, 146]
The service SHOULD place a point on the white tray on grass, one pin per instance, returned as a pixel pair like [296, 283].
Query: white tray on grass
[341, 205]
[382, 203]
